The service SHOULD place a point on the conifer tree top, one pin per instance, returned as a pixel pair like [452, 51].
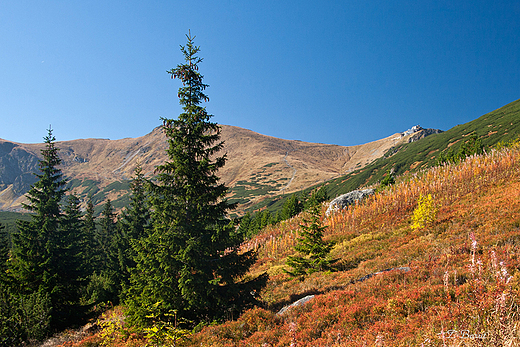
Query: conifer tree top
[192, 92]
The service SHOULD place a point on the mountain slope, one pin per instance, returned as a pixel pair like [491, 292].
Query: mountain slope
[453, 282]
[502, 124]
[258, 166]
[398, 285]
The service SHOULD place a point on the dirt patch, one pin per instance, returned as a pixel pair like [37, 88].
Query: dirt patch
[414, 165]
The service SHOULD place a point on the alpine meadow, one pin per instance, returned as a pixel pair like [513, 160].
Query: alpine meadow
[424, 250]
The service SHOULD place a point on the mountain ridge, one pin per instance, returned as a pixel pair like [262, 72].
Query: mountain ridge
[258, 165]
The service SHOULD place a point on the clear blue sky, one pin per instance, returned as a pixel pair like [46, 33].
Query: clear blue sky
[338, 72]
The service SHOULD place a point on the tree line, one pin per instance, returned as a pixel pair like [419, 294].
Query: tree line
[252, 223]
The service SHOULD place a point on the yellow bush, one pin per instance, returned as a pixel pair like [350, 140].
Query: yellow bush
[425, 212]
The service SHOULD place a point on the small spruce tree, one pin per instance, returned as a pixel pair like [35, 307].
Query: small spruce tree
[291, 207]
[314, 252]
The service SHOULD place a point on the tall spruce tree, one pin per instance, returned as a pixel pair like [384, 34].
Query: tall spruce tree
[35, 245]
[36, 254]
[190, 261]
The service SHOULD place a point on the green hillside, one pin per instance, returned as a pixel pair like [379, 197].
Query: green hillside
[497, 126]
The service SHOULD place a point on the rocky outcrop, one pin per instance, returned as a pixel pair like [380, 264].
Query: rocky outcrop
[344, 200]
[422, 134]
[417, 133]
[17, 167]
[300, 302]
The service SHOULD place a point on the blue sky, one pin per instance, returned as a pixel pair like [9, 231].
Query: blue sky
[338, 72]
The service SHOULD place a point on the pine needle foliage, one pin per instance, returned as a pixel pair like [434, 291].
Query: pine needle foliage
[46, 252]
[314, 252]
[134, 221]
[190, 260]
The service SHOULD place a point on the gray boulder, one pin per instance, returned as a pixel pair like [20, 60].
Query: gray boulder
[344, 200]
[300, 302]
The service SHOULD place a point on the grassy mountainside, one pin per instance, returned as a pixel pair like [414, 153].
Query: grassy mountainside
[500, 125]
[454, 281]
[463, 273]
[258, 166]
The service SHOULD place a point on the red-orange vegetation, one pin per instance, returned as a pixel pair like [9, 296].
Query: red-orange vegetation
[462, 287]
[463, 283]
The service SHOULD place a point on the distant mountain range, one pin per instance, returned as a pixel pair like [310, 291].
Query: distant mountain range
[258, 166]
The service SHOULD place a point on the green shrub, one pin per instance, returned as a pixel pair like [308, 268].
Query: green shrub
[23, 317]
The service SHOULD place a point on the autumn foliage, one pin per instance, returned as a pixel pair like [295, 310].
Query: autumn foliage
[462, 287]
[463, 283]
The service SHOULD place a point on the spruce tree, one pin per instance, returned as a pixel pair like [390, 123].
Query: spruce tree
[108, 266]
[72, 248]
[190, 261]
[106, 236]
[314, 252]
[136, 217]
[35, 248]
[90, 255]
[291, 207]
[36, 255]
[133, 224]
[4, 253]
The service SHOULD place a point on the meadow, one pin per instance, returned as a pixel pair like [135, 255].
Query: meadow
[462, 288]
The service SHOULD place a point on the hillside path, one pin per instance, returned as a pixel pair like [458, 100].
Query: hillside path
[290, 166]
